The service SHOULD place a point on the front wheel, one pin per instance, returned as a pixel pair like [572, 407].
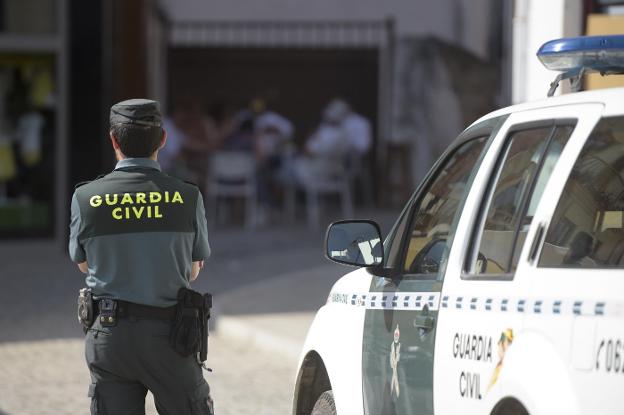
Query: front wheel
[325, 404]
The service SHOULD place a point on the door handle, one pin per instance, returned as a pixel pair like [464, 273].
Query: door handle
[424, 322]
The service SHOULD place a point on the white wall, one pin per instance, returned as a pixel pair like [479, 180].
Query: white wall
[460, 21]
[536, 22]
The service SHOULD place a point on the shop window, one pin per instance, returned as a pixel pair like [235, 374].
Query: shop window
[27, 144]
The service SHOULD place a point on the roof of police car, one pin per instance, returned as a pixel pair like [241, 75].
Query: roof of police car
[611, 98]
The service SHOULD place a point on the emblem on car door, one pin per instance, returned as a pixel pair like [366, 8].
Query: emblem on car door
[395, 355]
[506, 339]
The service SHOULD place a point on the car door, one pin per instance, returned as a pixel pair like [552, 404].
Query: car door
[579, 270]
[401, 315]
[487, 292]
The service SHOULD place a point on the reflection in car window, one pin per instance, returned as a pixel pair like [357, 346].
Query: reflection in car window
[555, 147]
[393, 249]
[434, 214]
[587, 228]
[519, 186]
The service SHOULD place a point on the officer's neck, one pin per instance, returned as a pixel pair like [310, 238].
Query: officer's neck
[120, 156]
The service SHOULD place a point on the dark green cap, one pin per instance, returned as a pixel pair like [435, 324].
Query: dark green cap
[136, 111]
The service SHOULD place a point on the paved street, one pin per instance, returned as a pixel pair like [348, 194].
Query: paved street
[49, 377]
[267, 285]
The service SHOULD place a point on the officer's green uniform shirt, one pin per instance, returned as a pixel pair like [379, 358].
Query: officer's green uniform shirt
[139, 230]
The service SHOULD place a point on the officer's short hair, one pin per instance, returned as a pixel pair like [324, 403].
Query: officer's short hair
[137, 140]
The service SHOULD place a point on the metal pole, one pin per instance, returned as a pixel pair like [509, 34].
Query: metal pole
[385, 95]
[62, 116]
[390, 22]
[506, 59]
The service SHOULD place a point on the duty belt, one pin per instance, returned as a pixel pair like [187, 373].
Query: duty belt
[127, 309]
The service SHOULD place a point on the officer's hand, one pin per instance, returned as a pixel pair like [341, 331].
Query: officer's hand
[84, 267]
[197, 266]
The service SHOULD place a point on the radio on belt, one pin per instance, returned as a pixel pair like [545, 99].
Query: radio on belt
[108, 311]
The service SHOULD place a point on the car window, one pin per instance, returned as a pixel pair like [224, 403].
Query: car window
[587, 228]
[393, 248]
[433, 215]
[525, 165]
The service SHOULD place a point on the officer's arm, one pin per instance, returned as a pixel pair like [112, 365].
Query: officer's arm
[201, 247]
[76, 250]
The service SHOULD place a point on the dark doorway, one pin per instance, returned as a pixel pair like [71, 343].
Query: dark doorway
[296, 83]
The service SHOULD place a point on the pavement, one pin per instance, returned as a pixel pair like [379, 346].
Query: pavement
[267, 285]
[49, 377]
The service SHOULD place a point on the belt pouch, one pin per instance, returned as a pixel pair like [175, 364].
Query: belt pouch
[205, 316]
[85, 308]
[186, 336]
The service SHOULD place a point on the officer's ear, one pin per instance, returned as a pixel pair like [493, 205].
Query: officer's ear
[163, 141]
[114, 141]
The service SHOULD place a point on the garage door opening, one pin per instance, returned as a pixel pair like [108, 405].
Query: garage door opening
[295, 83]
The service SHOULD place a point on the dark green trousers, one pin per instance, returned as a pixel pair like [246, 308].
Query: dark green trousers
[135, 356]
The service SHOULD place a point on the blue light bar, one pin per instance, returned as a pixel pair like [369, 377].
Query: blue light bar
[604, 54]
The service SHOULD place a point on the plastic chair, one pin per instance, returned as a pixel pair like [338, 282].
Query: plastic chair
[232, 174]
[333, 180]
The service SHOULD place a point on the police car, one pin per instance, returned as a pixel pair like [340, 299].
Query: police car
[500, 289]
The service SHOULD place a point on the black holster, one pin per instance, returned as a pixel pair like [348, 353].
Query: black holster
[86, 308]
[189, 331]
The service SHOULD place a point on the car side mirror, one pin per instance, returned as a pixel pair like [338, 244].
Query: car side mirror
[355, 242]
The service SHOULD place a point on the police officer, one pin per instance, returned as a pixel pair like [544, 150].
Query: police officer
[139, 235]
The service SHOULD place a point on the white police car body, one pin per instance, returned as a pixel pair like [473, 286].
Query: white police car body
[500, 289]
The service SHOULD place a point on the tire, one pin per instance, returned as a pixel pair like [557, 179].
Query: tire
[325, 404]
[509, 406]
